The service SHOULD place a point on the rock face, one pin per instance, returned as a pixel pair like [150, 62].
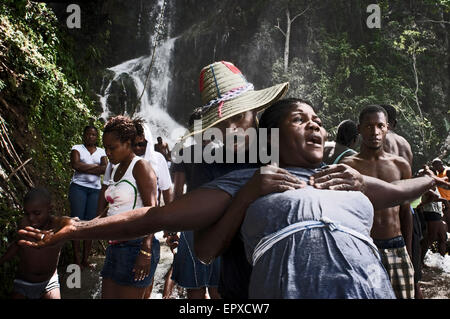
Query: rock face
[205, 31]
[123, 96]
[335, 60]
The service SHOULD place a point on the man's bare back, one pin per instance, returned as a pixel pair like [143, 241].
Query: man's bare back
[398, 145]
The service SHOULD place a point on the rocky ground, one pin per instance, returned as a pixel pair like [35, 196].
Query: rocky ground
[435, 281]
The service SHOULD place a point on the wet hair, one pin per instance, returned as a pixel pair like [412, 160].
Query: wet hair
[347, 132]
[123, 127]
[273, 115]
[370, 109]
[37, 193]
[391, 113]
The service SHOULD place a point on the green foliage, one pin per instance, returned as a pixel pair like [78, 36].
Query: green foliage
[395, 65]
[9, 219]
[38, 73]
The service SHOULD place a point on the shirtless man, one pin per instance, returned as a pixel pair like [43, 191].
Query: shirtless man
[36, 276]
[163, 148]
[392, 227]
[394, 143]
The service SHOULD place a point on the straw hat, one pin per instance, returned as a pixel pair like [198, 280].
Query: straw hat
[225, 92]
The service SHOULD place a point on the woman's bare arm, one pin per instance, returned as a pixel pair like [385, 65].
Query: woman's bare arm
[193, 211]
[382, 194]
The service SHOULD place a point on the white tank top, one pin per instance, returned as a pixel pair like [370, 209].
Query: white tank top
[123, 195]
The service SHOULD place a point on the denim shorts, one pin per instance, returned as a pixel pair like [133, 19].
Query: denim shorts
[188, 271]
[83, 201]
[120, 260]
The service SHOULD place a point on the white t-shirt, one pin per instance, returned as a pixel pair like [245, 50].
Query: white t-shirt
[83, 179]
[164, 181]
[162, 172]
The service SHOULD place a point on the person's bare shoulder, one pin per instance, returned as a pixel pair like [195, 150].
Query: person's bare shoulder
[351, 160]
[401, 163]
[400, 139]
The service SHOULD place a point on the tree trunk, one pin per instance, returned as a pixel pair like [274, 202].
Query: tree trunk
[287, 38]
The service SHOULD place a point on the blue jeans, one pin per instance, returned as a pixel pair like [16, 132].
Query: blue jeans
[83, 201]
[121, 258]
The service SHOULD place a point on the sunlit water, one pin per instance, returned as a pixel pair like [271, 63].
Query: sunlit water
[153, 104]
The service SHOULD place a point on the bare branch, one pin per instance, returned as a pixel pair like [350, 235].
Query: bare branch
[434, 21]
[279, 28]
[17, 169]
[300, 14]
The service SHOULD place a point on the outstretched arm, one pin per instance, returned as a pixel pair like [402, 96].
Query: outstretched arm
[382, 194]
[193, 211]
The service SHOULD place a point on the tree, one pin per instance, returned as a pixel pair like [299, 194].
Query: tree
[287, 33]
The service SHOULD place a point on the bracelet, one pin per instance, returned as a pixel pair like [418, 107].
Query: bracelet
[145, 253]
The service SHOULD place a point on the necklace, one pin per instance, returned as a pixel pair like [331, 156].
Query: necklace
[122, 168]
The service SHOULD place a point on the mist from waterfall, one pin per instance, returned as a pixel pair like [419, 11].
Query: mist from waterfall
[153, 104]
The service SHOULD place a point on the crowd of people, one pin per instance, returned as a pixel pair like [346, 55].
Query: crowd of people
[326, 220]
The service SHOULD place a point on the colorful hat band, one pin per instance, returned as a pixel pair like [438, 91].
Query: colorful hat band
[225, 97]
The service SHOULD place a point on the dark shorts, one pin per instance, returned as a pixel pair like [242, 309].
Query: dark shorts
[120, 260]
[83, 201]
[432, 216]
[188, 271]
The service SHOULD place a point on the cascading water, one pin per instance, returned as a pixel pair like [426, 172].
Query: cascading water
[125, 84]
[120, 94]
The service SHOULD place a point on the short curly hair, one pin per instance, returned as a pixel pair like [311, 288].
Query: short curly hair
[123, 127]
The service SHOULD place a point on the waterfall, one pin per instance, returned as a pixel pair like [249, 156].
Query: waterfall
[124, 85]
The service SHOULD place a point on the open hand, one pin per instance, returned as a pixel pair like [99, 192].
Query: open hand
[441, 182]
[172, 240]
[338, 177]
[142, 266]
[271, 179]
[36, 238]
